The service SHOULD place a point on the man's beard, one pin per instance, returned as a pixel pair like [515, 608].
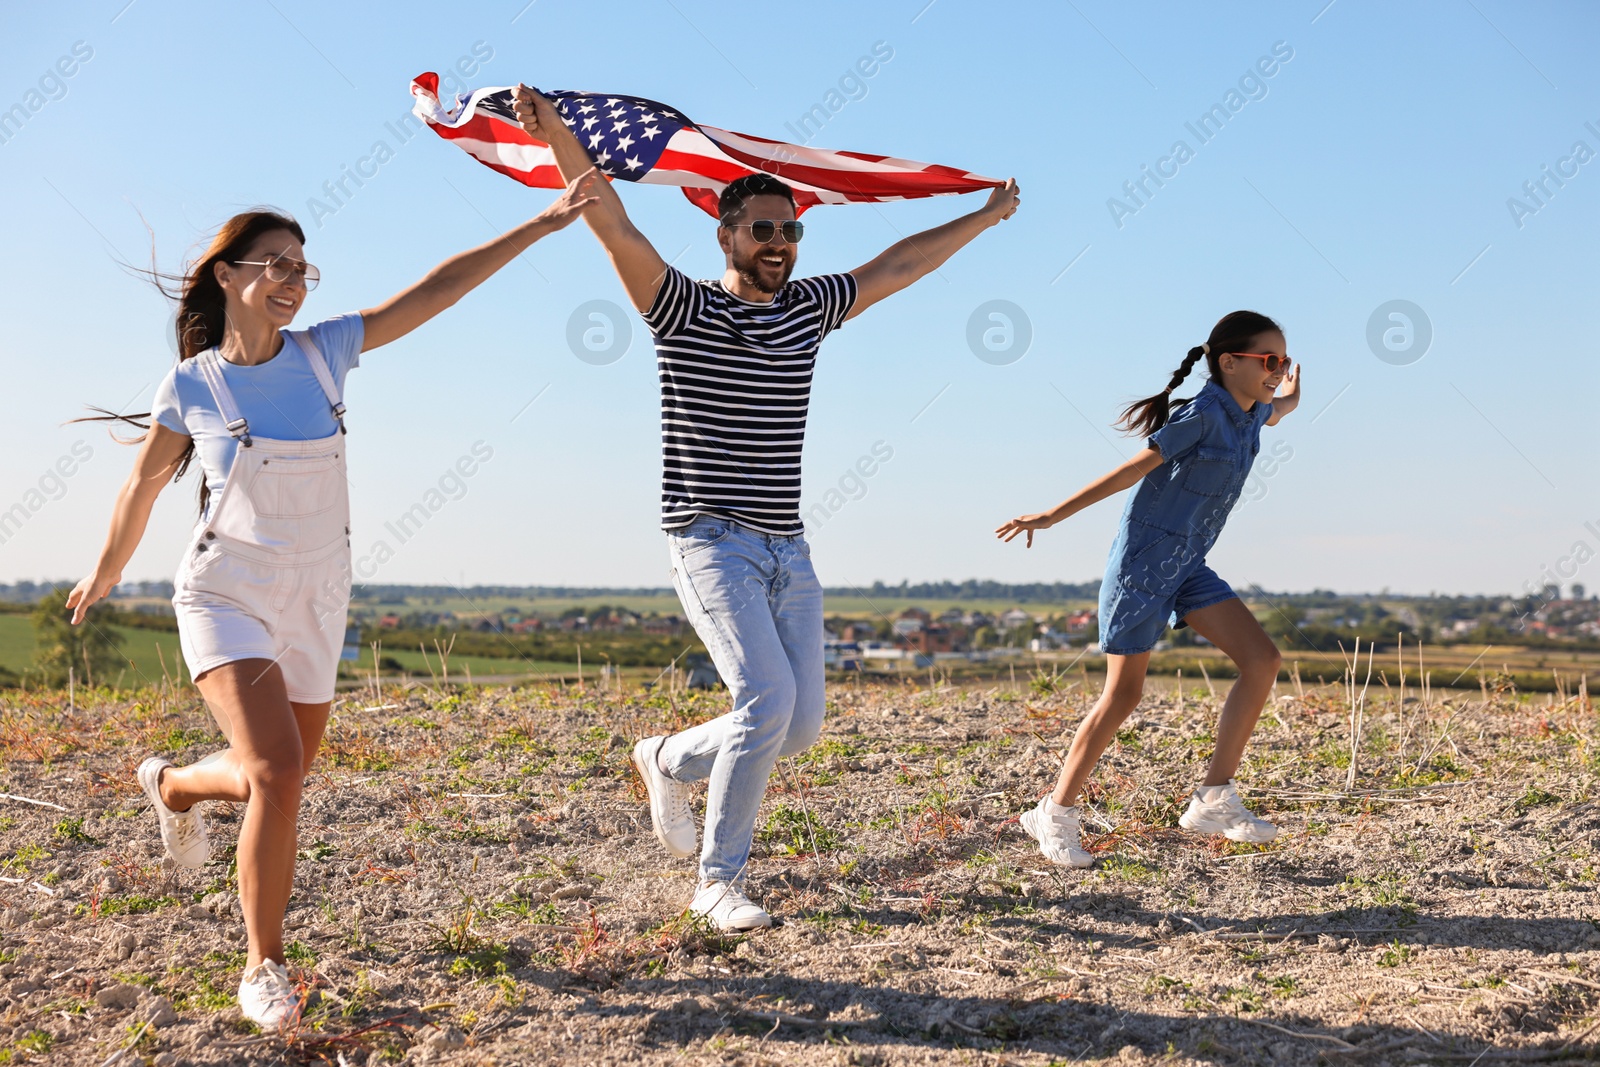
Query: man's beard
[750, 271]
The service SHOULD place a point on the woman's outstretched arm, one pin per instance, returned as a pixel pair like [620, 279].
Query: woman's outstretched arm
[460, 274]
[159, 458]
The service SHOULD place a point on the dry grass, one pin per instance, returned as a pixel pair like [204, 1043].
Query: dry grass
[478, 884]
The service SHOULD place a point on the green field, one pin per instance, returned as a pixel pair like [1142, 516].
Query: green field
[145, 650]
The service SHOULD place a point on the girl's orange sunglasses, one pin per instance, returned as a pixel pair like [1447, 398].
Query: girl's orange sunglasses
[1273, 363]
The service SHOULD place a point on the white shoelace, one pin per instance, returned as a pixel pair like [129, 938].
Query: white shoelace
[186, 827]
[677, 800]
[271, 980]
[729, 898]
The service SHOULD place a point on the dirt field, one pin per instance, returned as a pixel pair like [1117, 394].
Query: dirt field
[478, 884]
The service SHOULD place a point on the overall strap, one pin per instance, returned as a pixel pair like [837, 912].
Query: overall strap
[319, 367]
[209, 365]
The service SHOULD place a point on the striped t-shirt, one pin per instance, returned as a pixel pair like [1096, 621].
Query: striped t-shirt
[735, 385]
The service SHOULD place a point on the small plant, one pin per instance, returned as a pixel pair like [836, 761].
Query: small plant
[1534, 798]
[1395, 954]
[37, 1042]
[797, 832]
[71, 829]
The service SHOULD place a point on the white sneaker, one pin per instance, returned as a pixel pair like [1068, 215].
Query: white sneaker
[182, 832]
[669, 801]
[728, 909]
[1056, 830]
[267, 997]
[1217, 809]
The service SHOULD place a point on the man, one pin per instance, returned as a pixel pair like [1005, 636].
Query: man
[735, 358]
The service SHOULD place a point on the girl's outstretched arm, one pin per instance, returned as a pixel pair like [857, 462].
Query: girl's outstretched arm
[1121, 478]
[1290, 398]
[159, 458]
[460, 274]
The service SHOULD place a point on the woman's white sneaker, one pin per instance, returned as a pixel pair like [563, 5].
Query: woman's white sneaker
[182, 832]
[1056, 829]
[728, 909]
[669, 801]
[267, 997]
[1217, 809]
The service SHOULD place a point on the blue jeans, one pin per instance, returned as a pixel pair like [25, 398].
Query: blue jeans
[755, 601]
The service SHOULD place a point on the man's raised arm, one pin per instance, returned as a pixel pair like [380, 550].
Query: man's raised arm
[922, 253]
[635, 259]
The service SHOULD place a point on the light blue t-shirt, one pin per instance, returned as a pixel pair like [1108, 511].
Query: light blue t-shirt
[279, 398]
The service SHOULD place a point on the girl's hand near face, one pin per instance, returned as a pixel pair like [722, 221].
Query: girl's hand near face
[1288, 397]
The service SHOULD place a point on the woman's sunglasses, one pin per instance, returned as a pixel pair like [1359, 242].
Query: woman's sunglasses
[1273, 363]
[764, 230]
[279, 268]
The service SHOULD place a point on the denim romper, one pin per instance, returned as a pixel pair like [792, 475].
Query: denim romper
[1157, 571]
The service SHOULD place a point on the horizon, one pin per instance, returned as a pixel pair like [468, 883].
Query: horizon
[1567, 591]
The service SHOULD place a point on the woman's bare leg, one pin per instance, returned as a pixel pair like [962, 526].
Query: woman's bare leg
[219, 777]
[264, 765]
[1124, 687]
[1230, 626]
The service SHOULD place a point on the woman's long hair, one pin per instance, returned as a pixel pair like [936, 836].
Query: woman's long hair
[202, 307]
[1233, 333]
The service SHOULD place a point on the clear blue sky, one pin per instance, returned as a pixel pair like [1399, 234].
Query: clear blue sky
[1376, 166]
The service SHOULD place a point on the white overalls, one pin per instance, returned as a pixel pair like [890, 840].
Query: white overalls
[267, 575]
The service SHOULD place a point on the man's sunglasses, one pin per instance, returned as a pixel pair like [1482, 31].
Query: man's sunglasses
[1273, 363]
[764, 230]
[279, 268]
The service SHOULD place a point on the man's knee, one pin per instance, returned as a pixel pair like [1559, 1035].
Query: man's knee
[805, 726]
[769, 709]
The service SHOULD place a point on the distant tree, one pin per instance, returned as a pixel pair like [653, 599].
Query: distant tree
[90, 650]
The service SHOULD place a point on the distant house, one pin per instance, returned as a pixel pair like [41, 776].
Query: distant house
[935, 638]
[858, 631]
[1014, 618]
[526, 626]
[662, 624]
[911, 621]
[1079, 621]
[389, 622]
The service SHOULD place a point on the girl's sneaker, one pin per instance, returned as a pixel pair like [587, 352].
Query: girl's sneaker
[267, 997]
[1056, 830]
[182, 832]
[1217, 809]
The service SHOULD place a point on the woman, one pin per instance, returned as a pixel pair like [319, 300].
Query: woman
[264, 586]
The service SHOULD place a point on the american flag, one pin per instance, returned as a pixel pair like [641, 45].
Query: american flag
[639, 140]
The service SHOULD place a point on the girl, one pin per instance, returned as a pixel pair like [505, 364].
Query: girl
[1188, 480]
[263, 587]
